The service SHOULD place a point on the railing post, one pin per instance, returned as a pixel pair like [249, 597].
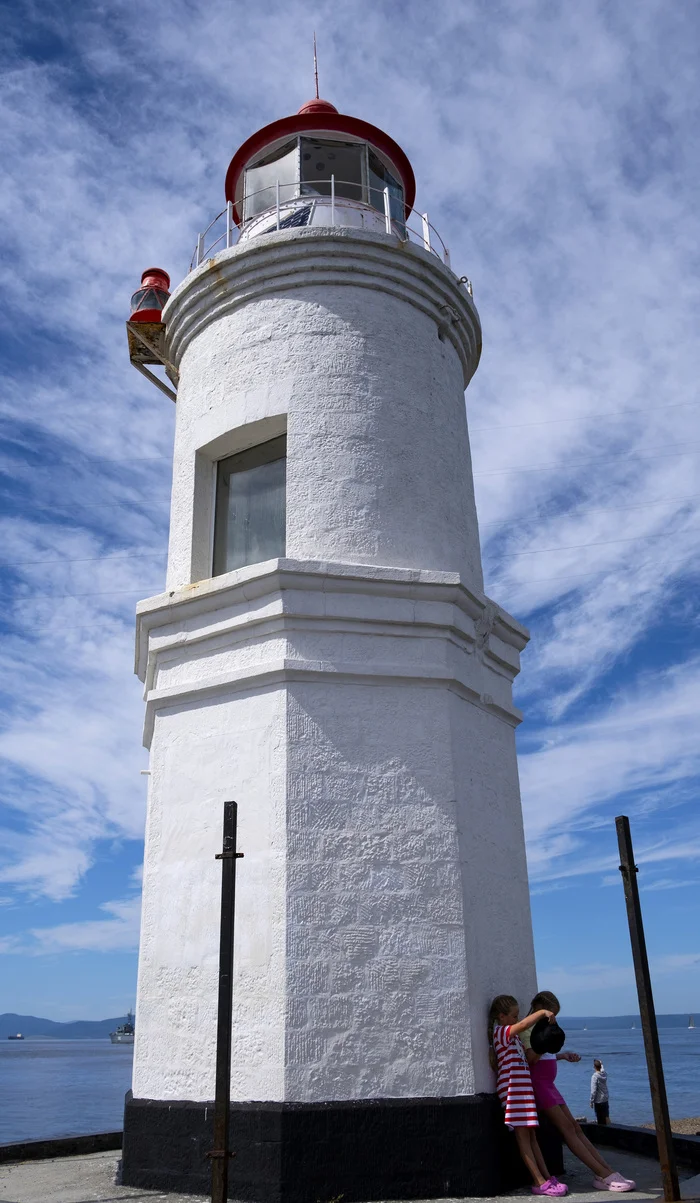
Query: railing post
[426, 231]
[277, 195]
[387, 210]
[332, 200]
[229, 224]
[220, 1154]
[446, 256]
[652, 1048]
[200, 248]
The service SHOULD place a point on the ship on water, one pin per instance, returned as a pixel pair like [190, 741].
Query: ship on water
[125, 1032]
[691, 1021]
[19, 1036]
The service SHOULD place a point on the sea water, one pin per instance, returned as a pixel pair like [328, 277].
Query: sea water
[622, 1054]
[62, 1087]
[70, 1087]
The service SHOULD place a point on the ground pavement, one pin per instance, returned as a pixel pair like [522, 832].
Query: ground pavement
[90, 1179]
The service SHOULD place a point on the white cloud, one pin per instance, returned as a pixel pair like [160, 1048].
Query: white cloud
[644, 739]
[119, 932]
[555, 152]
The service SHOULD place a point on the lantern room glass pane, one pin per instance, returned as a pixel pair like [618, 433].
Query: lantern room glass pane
[261, 180]
[380, 178]
[321, 159]
[250, 518]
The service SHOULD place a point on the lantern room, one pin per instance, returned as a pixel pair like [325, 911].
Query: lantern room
[319, 168]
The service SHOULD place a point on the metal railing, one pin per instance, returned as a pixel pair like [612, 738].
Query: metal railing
[223, 232]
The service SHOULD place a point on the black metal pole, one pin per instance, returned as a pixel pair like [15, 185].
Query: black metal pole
[220, 1153]
[655, 1069]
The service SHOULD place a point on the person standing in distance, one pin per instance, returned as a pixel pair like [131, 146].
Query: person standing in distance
[600, 1099]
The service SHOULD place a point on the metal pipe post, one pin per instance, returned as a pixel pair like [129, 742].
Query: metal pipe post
[426, 231]
[333, 200]
[229, 224]
[655, 1069]
[277, 202]
[220, 1153]
[387, 210]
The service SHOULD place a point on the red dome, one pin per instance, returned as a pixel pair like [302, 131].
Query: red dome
[318, 106]
[319, 117]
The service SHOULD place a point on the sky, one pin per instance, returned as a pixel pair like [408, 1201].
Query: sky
[556, 151]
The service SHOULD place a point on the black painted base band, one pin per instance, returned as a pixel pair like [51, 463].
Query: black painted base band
[300, 1152]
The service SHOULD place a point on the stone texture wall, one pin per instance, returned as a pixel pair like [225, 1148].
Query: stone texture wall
[354, 697]
[362, 719]
[362, 354]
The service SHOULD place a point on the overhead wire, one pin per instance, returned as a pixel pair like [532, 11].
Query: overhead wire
[615, 413]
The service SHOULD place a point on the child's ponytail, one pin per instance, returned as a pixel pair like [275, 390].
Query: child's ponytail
[501, 1005]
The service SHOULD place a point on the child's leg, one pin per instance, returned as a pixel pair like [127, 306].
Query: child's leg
[584, 1140]
[525, 1148]
[576, 1141]
[537, 1154]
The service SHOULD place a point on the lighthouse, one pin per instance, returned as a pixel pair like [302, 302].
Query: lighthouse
[324, 654]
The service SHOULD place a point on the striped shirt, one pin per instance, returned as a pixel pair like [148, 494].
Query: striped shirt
[514, 1084]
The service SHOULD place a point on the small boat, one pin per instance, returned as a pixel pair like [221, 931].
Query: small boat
[691, 1021]
[19, 1036]
[125, 1032]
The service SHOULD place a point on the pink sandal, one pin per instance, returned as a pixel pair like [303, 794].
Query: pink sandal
[551, 1187]
[614, 1182]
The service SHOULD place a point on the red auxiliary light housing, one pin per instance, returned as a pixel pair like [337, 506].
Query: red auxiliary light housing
[149, 300]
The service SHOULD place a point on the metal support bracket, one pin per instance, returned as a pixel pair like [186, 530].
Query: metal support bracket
[146, 346]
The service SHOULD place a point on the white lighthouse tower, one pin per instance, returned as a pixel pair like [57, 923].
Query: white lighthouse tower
[325, 655]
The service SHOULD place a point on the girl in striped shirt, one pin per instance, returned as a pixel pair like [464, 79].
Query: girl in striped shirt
[514, 1086]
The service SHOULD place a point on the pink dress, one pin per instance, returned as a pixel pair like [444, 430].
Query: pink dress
[543, 1074]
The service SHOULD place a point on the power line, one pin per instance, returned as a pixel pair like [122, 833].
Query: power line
[608, 509]
[99, 593]
[603, 543]
[137, 555]
[616, 413]
[572, 576]
[633, 457]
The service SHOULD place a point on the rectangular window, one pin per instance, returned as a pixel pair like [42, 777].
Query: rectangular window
[320, 160]
[380, 178]
[261, 180]
[250, 516]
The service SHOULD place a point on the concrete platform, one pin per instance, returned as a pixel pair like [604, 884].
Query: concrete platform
[91, 1179]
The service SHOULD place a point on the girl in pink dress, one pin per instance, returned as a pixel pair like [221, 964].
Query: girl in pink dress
[514, 1087]
[543, 1068]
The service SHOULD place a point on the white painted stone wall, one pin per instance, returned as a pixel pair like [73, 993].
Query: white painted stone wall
[355, 698]
[362, 718]
[360, 346]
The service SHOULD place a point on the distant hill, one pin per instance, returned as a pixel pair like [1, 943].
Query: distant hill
[81, 1029]
[598, 1022]
[97, 1029]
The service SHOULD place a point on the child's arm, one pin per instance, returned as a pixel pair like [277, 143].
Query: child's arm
[529, 1021]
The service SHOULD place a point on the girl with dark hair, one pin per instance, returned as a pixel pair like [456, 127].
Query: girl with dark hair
[514, 1087]
[543, 1068]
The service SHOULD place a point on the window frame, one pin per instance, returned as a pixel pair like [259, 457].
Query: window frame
[366, 190]
[268, 452]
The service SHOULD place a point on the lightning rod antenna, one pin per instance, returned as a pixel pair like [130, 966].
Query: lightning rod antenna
[315, 65]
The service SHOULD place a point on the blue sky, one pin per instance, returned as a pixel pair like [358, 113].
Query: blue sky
[556, 150]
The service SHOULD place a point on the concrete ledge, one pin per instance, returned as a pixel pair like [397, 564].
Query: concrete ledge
[62, 1146]
[642, 1141]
